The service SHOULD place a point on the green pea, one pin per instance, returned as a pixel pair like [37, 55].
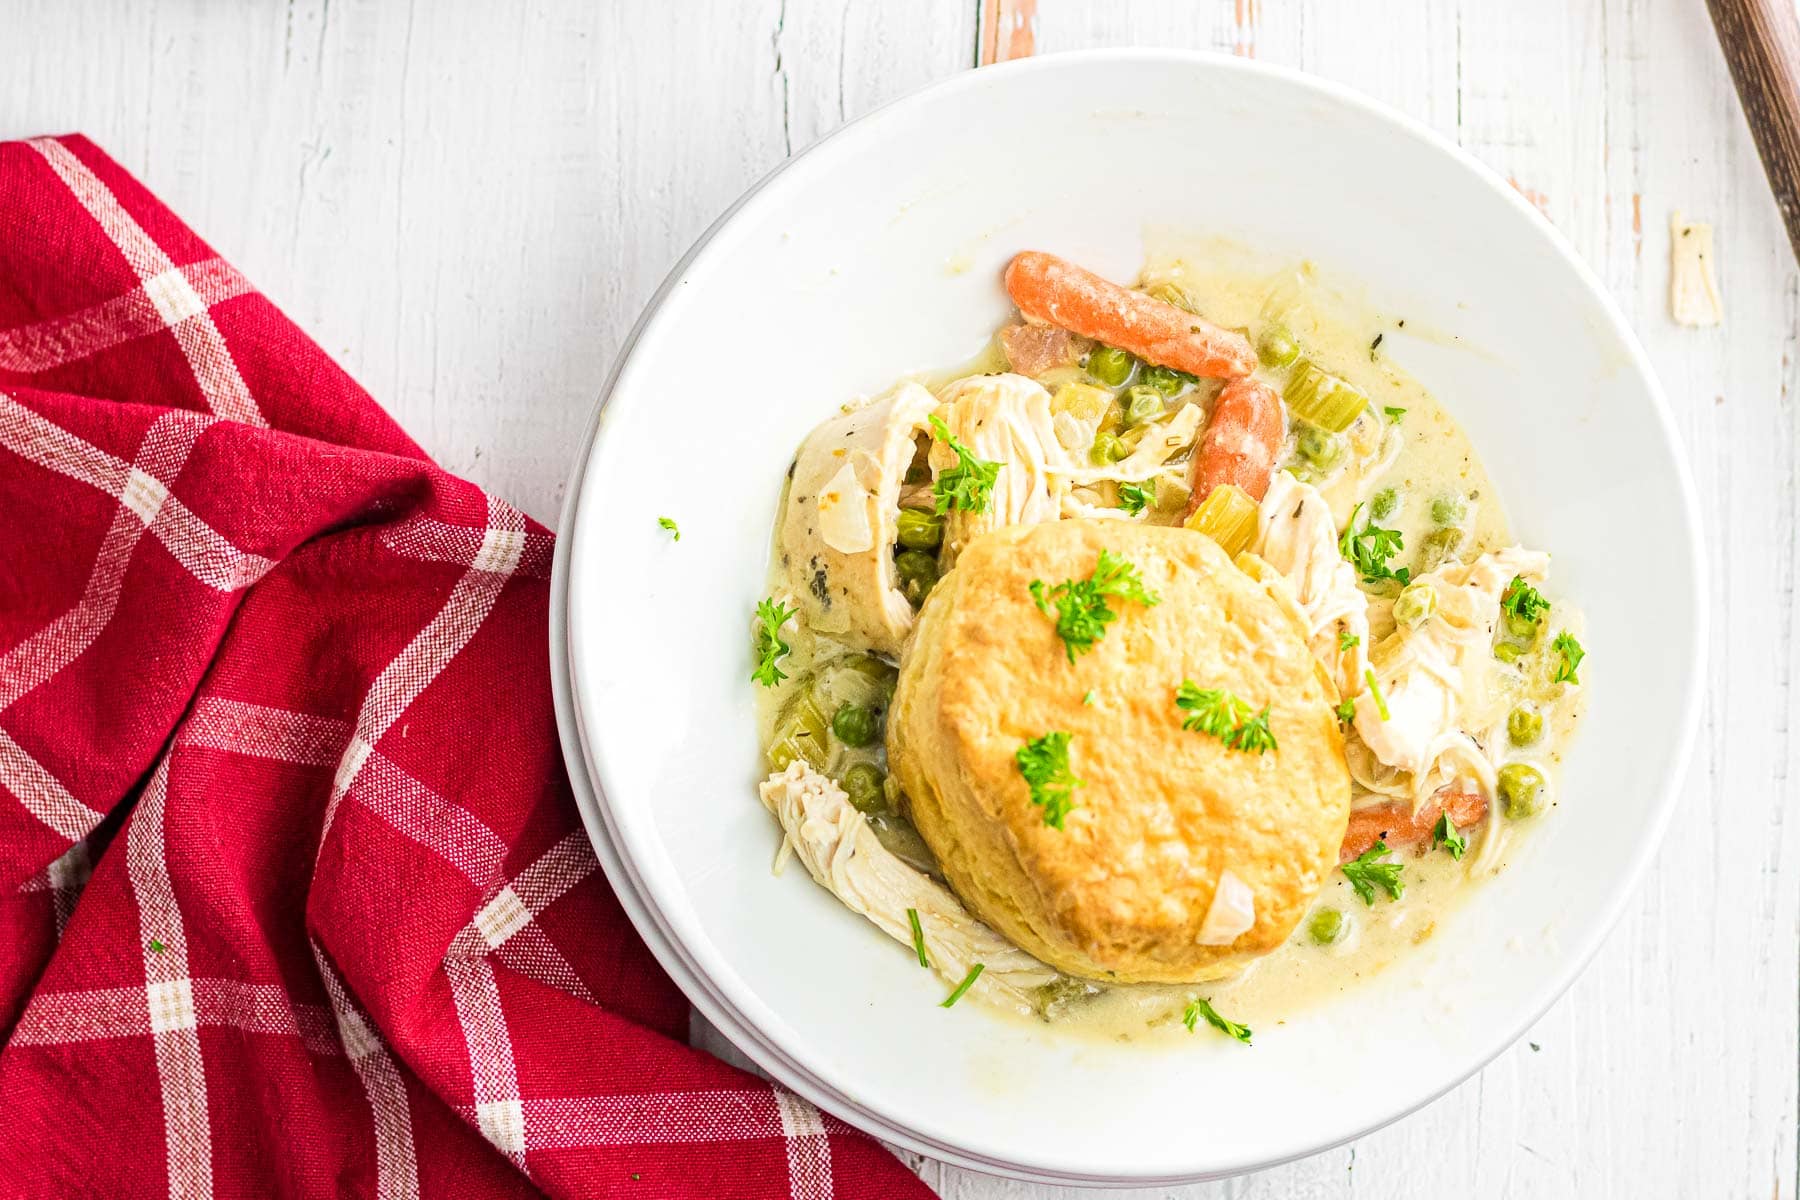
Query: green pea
[855, 724]
[1143, 404]
[1508, 652]
[1277, 347]
[1110, 365]
[1384, 504]
[1523, 726]
[1163, 379]
[1320, 449]
[1449, 510]
[1416, 602]
[866, 786]
[1521, 789]
[1326, 926]
[1108, 449]
[1439, 547]
[920, 529]
[918, 573]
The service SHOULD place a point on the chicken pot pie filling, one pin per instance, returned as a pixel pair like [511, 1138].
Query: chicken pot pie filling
[1169, 666]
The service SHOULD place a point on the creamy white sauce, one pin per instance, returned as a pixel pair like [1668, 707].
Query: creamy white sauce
[1434, 461]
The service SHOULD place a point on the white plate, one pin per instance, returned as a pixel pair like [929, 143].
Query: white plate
[879, 252]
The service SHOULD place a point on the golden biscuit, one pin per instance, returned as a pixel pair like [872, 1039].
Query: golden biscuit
[1122, 891]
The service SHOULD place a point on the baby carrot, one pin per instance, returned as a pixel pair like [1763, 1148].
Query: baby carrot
[1399, 825]
[1048, 288]
[1241, 442]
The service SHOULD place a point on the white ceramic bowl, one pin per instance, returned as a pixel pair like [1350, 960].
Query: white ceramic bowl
[879, 252]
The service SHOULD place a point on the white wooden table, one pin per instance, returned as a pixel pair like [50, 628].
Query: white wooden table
[468, 204]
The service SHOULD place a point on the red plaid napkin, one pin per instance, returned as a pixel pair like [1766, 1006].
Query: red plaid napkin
[293, 898]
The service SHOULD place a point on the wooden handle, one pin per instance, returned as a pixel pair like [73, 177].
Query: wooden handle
[1761, 40]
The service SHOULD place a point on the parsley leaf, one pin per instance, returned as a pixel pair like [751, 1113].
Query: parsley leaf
[156, 946]
[769, 646]
[1346, 712]
[1347, 641]
[1444, 834]
[1134, 498]
[1210, 710]
[1393, 414]
[1198, 1007]
[1523, 601]
[1375, 691]
[918, 932]
[1044, 762]
[1217, 712]
[967, 983]
[1371, 548]
[1081, 611]
[1366, 874]
[1254, 736]
[967, 485]
[669, 524]
[1572, 654]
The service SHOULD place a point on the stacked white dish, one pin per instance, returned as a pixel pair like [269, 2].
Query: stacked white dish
[879, 252]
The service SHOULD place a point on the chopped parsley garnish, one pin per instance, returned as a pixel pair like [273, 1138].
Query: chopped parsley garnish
[967, 485]
[1089, 698]
[1346, 711]
[1081, 611]
[1393, 414]
[1375, 691]
[1134, 498]
[1210, 710]
[1219, 713]
[918, 932]
[1347, 641]
[1044, 762]
[1444, 834]
[669, 524]
[1523, 601]
[1371, 548]
[156, 947]
[967, 983]
[1254, 736]
[1366, 873]
[1198, 1007]
[770, 618]
[1571, 652]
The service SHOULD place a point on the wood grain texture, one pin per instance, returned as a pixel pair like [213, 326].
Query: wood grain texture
[1761, 41]
[468, 205]
[1008, 30]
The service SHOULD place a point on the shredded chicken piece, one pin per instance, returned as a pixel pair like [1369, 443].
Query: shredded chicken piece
[837, 533]
[1007, 419]
[1004, 419]
[1296, 535]
[844, 856]
[1426, 671]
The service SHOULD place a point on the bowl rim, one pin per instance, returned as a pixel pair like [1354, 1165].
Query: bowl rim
[654, 926]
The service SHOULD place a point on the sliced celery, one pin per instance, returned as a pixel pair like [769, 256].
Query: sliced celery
[1324, 399]
[802, 732]
[1227, 516]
